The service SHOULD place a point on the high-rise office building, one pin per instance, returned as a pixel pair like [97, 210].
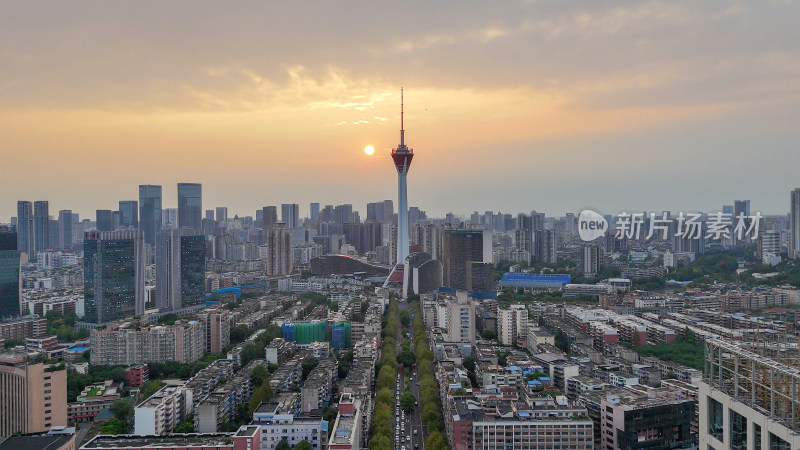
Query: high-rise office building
[113, 268]
[128, 213]
[65, 225]
[794, 224]
[10, 274]
[209, 214]
[459, 249]
[33, 397]
[290, 215]
[169, 217]
[314, 212]
[741, 207]
[25, 227]
[104, 220]
[149, 211]
[180, 269]
[545, 245]
[53, 240]
[428, 240]
[592, 259]
[269, 216]
[222, 214]
[190, 206]
[279, 250]
[41, 226]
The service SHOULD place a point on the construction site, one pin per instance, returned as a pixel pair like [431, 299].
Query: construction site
[749, 391]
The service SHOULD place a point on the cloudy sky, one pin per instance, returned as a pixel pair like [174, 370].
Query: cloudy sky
[510, 106]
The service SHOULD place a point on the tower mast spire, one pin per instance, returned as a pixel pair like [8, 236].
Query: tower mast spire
[402, 128]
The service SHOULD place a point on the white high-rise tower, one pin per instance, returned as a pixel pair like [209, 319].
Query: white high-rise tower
[401, 156]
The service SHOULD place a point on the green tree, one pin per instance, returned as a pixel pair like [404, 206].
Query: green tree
[123, 411]
[436, 441]
[258, 375]
[113, 426]
[187, 426]
[308, 365]
[239, 333]
[407, 401]
[283, 445]
[469, 363]
[260, 394]
[150, 388]
[249, 353]
[380, 442]
[303, 445]
[406, 358]
[405, 318]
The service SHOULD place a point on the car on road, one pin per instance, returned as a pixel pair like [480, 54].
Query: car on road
[415, 431]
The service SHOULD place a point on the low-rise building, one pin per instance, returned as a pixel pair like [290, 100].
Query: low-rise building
[247, 437]
[91, 400]
[280, 419]
[163, 411]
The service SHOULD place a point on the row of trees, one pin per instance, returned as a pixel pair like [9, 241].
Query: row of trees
[381, 430]
[429, 400]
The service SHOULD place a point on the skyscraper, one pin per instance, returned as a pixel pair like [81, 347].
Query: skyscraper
[41, 226]
[149, 211]
[279, 250]
[10, 273]
[402, 156]
[222, 214]
[25, 226]
[314, 212]
[269, 216]
[128, 213]
[460, 248]
[290, 215]
[794, 225]
[190, 206]
[104, 220]
[113, 271]
[65, 224]
[180, 269]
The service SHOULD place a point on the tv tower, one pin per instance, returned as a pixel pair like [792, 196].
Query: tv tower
[401, 156]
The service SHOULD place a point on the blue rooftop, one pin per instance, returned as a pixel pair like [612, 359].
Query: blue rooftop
[535, 279]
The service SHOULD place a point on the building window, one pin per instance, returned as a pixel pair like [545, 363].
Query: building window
[756, 435]
[738, 431]
[715, 419]
[776, 443]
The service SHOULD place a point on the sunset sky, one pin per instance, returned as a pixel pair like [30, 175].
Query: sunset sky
[511, 106]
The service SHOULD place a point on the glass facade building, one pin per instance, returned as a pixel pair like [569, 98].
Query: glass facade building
[41, 227]
[113, 275]
[149, 211]
[10, 274]
[104, 220]
[129, 213]
[180, 269]
[190, 205]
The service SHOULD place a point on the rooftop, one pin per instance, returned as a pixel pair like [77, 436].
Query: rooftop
[177, 441]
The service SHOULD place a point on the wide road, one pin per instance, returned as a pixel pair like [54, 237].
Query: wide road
[413, 420]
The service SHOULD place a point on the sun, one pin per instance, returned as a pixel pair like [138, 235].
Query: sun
[369, 150]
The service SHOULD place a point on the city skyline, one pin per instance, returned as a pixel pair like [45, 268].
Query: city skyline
[305, 212]
[610, 106]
